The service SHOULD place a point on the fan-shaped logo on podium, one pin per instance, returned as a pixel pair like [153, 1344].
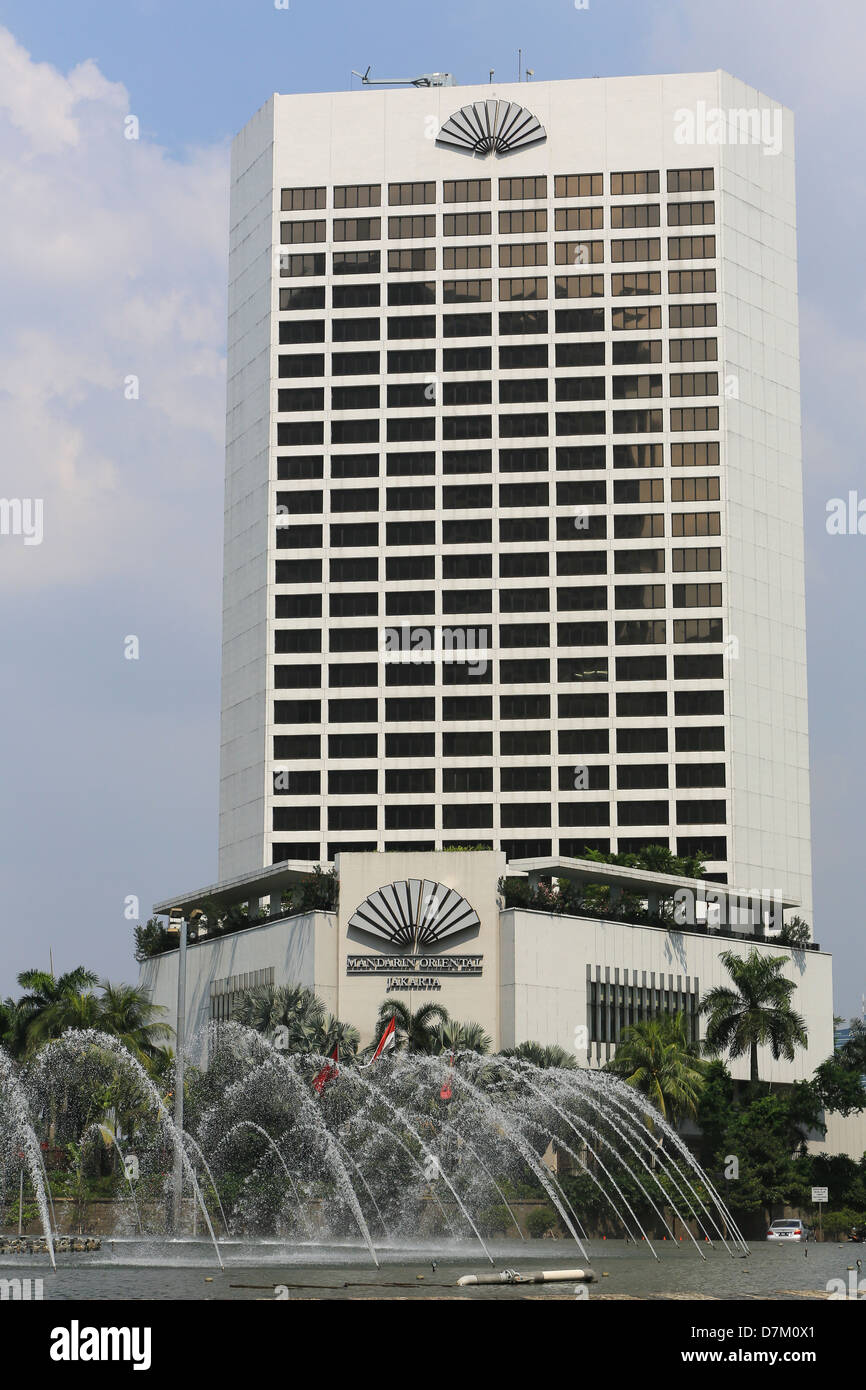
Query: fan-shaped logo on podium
[493, 126]
[415, 914]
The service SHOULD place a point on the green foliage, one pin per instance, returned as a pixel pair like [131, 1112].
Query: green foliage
[840, 1087]
[715, 1107]
[316, 892]
[852, 1053]
[841, 1223]
[593, 899]
[658, 1058]
[539, 1056]
[495, 1221]
[453, 1036]
[756, 1011]
[795, 932]
[766, 1134]
[415, 1032]
[304, 1024]
[153, 939]
[540, 1221]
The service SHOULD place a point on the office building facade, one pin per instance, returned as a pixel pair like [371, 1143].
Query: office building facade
[514, 539]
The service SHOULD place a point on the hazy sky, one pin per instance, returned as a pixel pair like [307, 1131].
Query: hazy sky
[113, 265]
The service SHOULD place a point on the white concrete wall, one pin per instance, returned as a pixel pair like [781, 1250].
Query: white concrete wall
[544, 981]
[763, 482]
[846, 1134]
[533, 984]
[302, 950]
[475, 877]
[247, 580]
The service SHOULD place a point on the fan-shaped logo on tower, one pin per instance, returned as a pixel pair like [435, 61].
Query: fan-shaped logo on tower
[491, 127]
[414, 913]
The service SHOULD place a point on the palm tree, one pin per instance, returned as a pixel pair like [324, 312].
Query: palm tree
[127, 1013]
[337, 1034]
[415, 1032]
[756, 1011]
[544, 1057]
[50, 1005]
[292, 1007]
[462, 1037]
[657, 1057]
[12, 1028]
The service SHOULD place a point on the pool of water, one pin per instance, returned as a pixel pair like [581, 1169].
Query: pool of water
[187, 1270]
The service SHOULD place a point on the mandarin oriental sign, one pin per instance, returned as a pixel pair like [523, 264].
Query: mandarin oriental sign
[416, 914]
[411, 965]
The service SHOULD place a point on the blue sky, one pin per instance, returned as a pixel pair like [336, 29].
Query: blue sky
[113, 263]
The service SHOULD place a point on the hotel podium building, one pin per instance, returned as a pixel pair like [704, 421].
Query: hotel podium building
[513, 530]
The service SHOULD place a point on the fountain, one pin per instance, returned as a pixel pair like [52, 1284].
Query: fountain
[385, 1160]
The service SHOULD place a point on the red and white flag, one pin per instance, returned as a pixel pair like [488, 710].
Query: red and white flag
[387, 1041]
[445, 1091]
[328, 1072]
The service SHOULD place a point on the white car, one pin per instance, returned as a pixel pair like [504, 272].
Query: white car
[788, 1230]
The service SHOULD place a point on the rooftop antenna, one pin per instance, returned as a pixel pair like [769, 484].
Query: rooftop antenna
[427, 79]
[492, 71]
[519, 64]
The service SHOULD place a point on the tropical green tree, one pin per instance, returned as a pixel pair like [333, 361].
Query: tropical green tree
[853, 1052]
[540, 1056]
[415, 1032]
[294, 1008]
[338, 1034]
[462, 1037]
[126, 1011]
[53, 1003]
[301, 1018]
[12, 1028]
[658, 1058]
[755, 1012]
[795, 932]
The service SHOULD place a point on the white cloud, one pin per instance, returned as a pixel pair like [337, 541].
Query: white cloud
[112, 264]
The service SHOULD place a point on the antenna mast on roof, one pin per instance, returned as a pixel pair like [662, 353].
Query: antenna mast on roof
[427, 79]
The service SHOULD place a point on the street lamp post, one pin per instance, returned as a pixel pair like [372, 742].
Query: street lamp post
[180, 1031]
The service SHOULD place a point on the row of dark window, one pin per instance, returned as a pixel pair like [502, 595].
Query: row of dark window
[478, 190]
[514, 390]
[512, 357]
[512, 815]
[405, 781]
[651, 704]
[687, 666]
[624, 319]
[478, 743]
[525, 459]
[359, 535]
[582, 598]
[369, 296]
[511, 255]
[363, 604]
[520, 425]
[712, 848]
[625, 216]
[479, 496]
[512, 671]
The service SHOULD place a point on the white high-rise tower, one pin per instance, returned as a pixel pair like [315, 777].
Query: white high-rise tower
[514, 368]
